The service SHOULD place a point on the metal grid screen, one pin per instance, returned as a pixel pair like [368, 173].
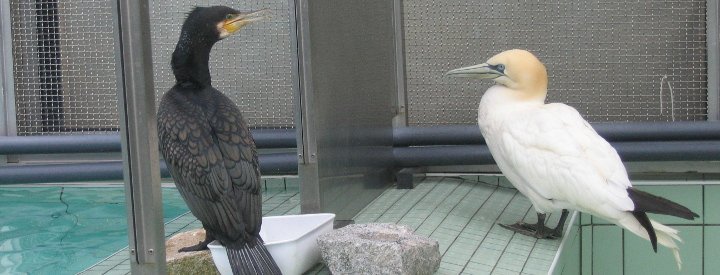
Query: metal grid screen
[64, 66]
[64, 63]
[612, 60]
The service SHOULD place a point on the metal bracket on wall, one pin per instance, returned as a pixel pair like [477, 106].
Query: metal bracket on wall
[405, 178]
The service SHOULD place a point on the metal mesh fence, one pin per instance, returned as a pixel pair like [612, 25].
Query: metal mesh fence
[64, 66]
[64, 63]
[613, 60]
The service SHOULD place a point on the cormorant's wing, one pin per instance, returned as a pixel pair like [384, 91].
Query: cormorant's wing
[560, 157]
[213, 160]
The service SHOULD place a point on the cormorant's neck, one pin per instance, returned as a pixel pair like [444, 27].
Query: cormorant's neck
[190, 60]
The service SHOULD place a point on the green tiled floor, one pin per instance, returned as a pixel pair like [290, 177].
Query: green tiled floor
[460, 212]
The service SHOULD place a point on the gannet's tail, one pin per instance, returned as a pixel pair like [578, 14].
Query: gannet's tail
[665, 235]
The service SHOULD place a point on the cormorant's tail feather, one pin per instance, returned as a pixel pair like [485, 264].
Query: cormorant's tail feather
[252, 258]
[650, 203]
[666, 236]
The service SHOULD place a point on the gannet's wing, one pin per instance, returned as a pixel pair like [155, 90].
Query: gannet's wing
[560, 157]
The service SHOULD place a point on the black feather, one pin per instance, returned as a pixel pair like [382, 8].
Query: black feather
[645, 222]
[252, 258]
[646, 202]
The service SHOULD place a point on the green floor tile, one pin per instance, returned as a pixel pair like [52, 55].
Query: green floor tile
[712, 249]
[640, 258]
[490, 180]
[449, 268]
[607, 250]
[585, 219]
[569, 262]
[712, 200]
[475, 268]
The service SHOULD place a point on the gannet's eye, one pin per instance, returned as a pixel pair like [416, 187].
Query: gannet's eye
[500, 68]
[229, 16]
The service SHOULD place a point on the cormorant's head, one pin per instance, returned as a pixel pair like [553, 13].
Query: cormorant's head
[211, 24]
[516, 69]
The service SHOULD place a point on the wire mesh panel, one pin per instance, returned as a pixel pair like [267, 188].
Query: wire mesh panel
[64, 66]
[252, 67]
[65, 70]
[612, 60]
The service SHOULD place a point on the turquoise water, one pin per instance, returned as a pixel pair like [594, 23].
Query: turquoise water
[63, 230]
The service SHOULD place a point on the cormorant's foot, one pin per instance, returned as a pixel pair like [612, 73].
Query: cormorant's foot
[198, 247]
[532, 230]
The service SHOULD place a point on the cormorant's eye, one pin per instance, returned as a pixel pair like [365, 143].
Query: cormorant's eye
[500, 68]
[229, 16]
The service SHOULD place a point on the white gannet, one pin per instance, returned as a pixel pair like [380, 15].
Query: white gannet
[556, 159]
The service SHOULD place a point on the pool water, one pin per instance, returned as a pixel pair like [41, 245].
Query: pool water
[63, 230]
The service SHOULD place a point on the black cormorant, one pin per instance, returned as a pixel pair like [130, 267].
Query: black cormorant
[208, 147]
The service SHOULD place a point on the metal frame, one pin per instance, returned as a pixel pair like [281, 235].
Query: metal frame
[305, 84]
[8, 125]
[401, 110]
[307, 152]
[300, 140]
[713, 60]
[136, 99]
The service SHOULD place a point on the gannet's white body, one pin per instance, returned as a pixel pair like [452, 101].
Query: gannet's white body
[554, 157]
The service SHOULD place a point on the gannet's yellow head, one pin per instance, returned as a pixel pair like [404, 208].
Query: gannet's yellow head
[516, 69]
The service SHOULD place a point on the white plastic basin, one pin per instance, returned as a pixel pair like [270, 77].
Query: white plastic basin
[291, 240]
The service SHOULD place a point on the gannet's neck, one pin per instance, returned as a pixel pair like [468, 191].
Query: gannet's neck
[500, 103]
[502, 95]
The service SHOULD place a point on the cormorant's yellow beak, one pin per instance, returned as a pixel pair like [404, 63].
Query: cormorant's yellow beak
[483, 70]
[235, 22]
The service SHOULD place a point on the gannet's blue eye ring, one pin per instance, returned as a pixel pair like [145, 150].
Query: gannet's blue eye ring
[500, 68]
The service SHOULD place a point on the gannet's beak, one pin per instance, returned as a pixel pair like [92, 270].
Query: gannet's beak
[236, 21]
[483, 70]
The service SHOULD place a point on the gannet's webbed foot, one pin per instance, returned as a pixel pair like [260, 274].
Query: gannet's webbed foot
[558, 231]
[539, 230]
[200, 246]
[532, 230]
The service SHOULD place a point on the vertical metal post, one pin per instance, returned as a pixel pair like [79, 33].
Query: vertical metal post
[307, 168]
[713, 60]
[401, 117]
[7, 82]
[146, 233]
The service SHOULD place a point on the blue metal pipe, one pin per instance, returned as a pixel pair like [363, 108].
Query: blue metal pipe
[110, 143]
[406, 136]
[270, 164]
[631, 131]
[629, 151]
